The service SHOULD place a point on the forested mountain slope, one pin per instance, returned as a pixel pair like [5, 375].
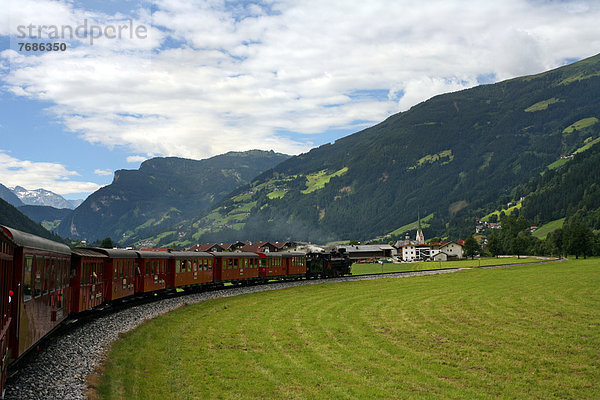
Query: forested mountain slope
[162, 192]
[456, 155]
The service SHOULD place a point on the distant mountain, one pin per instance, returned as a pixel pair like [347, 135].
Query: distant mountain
[457, 155]
[10, 216]
[42, 197]
[164, 191]
[7, 195]
[48, 217]
[75, 203]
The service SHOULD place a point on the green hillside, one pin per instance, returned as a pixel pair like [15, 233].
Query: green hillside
[147, 202]
[459, 156]
[573, 189]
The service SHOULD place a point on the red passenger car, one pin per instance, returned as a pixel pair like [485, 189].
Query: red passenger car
[7, 248]
[190, 268]
[87, 271]
[236, 266]
[295, 264]
[41, 286]
[151, 271]
[271, 265]
[118, 273]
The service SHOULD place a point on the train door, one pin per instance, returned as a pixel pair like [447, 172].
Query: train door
[6, 302]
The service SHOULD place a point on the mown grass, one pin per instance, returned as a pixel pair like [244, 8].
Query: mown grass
[320, 179]
[581, 124]
[521, 332]
[375, 268]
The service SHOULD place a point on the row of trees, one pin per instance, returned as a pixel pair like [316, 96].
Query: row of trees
[574, 238]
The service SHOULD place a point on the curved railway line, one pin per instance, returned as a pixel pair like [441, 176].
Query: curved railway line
[61, 365]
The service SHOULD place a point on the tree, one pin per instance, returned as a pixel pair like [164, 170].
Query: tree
[519, 244]
[556, 241]
[471, 247]
[579, 239]
[494, 245]
[107, 243]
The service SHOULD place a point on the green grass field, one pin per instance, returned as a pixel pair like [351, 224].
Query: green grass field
[512, 333]
[368, 268]
[545, 229]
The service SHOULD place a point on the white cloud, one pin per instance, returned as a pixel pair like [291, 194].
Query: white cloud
[103, 172]
[136, 159]
[243, 75]
[34, 175]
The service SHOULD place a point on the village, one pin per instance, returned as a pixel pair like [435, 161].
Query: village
[407, 250]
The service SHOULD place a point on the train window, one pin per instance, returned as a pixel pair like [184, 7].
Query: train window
[115, 266]
[52, 275]
[229, 263]
[37, 278]
[210, 264]
[59, 274]
[27, 279]
[235, 263]
[120, 264]
[177, 266]
[45, 277]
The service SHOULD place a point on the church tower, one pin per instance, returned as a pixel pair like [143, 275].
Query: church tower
[420, 239]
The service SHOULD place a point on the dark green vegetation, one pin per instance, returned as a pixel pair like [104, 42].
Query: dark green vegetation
[459, 156]
[10, 216]
[521, 332]
[559, 238]
[573, 189]
[145, 203]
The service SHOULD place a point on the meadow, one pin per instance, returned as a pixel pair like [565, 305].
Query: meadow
[528, 331]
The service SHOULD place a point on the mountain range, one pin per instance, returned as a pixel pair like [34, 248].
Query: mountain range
[43, 197]
[458, 155]
[161, 193]
[452, 159]
[19, 196]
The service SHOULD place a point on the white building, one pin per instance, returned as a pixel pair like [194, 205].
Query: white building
[422, 252]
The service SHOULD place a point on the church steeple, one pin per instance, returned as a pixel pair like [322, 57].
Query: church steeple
[420, 239]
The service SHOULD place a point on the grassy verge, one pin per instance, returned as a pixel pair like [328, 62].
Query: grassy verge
[522, 332]
[362, 269]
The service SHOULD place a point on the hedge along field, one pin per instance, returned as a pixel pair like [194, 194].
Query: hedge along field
[519, 332]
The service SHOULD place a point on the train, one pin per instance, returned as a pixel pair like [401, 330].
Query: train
[43, 282]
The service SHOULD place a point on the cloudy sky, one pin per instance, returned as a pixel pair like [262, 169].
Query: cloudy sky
[196, 78]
